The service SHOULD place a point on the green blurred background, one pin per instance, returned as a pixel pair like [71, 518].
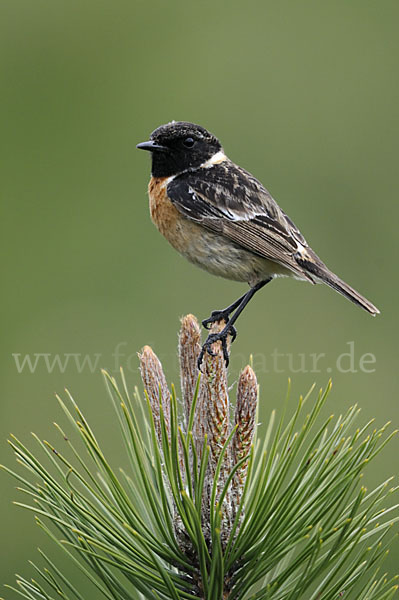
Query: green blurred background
[303, 94]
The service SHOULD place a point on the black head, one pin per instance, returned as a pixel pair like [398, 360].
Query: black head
[179, 146]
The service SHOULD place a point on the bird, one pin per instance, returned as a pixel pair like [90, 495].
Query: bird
[222, 219]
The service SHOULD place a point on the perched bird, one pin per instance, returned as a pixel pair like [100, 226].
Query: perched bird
[221, 218]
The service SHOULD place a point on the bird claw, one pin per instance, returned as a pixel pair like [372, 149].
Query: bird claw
[218, 337]
[233, 333]
[216, 315]
[220, 315]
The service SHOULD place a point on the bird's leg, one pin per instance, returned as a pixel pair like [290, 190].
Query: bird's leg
[229, 328]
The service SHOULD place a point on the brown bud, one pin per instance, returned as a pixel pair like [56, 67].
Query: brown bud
[218, 426]
[218, 413]
[245, 413]
[155, 384]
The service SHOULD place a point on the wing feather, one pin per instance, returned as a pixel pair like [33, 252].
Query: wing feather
[230, 201]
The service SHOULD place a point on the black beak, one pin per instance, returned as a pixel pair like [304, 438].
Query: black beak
[151, 146]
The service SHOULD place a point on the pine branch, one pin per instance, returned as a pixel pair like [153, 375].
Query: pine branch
[202, 512]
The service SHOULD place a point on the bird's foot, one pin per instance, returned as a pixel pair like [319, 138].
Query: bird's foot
[218, 337]
[216, 315]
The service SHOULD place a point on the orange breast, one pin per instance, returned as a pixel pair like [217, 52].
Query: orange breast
[165, 215]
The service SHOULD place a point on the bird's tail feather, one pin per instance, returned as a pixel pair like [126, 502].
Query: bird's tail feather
[346, 290]
[326, 276]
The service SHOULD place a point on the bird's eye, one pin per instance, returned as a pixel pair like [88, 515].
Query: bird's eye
[189, 142]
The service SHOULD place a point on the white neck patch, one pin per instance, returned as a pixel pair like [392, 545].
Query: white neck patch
[167, 181]
[216, 159]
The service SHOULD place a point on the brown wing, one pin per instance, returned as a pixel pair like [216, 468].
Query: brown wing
[230, 201]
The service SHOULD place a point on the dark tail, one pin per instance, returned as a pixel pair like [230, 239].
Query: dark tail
[346, 290]
[328, 277]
